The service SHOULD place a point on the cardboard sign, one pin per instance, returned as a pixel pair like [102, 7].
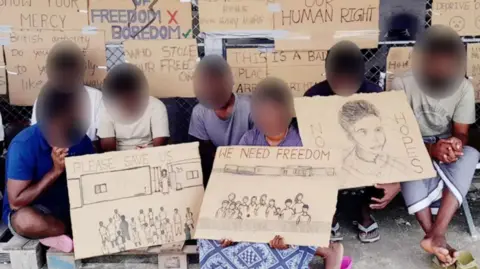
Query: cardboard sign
[321, 23]
[130, 199]
[248, 15]
[299, 69]
[168, 65]
[255, 193]
[461, 16]
[142, 19]
[378, 134]
[26, 56]
[398, 62]
[44, 14]
[3, 74]
[473, 67]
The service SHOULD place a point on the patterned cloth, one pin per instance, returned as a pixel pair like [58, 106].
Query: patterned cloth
[252, 256]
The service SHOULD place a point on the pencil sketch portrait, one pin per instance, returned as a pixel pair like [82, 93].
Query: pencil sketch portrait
[362, 123]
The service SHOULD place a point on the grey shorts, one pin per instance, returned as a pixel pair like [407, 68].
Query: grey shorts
[457, 177]
[40, 208]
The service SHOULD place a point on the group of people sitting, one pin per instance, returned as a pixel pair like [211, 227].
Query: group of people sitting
[123, 116]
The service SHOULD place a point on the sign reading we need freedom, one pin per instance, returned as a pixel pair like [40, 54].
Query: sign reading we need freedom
[142, 19]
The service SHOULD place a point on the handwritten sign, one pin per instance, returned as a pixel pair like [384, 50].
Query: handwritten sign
[398, 61]
[396, 154]
[300, 69]
[463, 16]
[44, 14]
[142, 19]
[26, 57]
[167, 64]
[136, 198]
[473, 68]
[243, 200]
[321, 23]
[216, 16]
[3, 74]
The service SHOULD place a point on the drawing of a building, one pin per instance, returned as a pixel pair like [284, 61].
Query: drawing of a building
[185, 174]
[304, 171]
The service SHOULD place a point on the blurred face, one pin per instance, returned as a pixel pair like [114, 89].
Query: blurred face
[343, 84]
[288, 204]
[299, 198]
[212, 92]
[271, 118]
[368, 134]
[304, 209]
[439, 72]
[128, 107]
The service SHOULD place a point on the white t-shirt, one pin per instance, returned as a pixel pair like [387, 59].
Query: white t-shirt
[96, 105]
[153, 124]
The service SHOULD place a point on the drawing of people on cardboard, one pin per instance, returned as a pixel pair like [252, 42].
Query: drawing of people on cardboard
[297, 208]
[304, 217]
[164, 180]
[271, 211]
[189, 218]
[287, 213]
[124, 228]
[362, 123]
[177, 220]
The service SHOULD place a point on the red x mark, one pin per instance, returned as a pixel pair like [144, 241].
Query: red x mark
[172, 17]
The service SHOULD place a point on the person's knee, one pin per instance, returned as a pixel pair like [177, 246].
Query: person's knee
[22, 221]
[470, 158]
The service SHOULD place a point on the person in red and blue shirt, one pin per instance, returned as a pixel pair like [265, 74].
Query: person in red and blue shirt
[345, 72]
[35, 205]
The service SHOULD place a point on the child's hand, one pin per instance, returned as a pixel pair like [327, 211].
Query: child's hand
[278, 243]
[226, 243]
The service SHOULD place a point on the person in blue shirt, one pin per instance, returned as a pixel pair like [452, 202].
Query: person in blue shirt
[35, 204]
[345, 72]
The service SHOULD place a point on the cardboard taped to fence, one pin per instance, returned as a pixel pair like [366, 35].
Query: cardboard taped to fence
[44, 14]
[378, 133]
[318, 24]
[26, 56]
[399, 60]
[246, 15]
[299, 69]
[461, 16]
[473, 68]
[256, 193]
[167, 64]
[136, 198]
[142, 19]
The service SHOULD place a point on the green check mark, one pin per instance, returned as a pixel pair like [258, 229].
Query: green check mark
[187, 33]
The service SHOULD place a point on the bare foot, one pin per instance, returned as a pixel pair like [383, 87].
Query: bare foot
[332, 255]
[437, 245]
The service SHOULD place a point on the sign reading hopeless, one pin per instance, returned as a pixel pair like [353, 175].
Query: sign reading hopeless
[44, 14]
[167, 64]
[461, 16]
[299, 69]
[26, 56]
[142, 19]
[473, 67]
[322, 23]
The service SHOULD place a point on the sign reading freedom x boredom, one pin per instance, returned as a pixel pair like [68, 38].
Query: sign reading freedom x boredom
[142, 19]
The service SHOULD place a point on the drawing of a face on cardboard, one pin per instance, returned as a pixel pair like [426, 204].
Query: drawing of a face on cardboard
[457, 23]
[361, 121]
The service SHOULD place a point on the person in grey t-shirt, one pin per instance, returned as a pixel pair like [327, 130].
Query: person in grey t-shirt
[444, 105]
[221, 117]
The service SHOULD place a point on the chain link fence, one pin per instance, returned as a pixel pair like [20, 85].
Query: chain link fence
[179, 109]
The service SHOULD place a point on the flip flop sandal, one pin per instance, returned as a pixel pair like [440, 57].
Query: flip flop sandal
[336, 236]
[369, 234]
[436, 264]
[347, 263]
[466, 261]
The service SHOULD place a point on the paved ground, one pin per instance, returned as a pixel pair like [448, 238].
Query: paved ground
[399, 246]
